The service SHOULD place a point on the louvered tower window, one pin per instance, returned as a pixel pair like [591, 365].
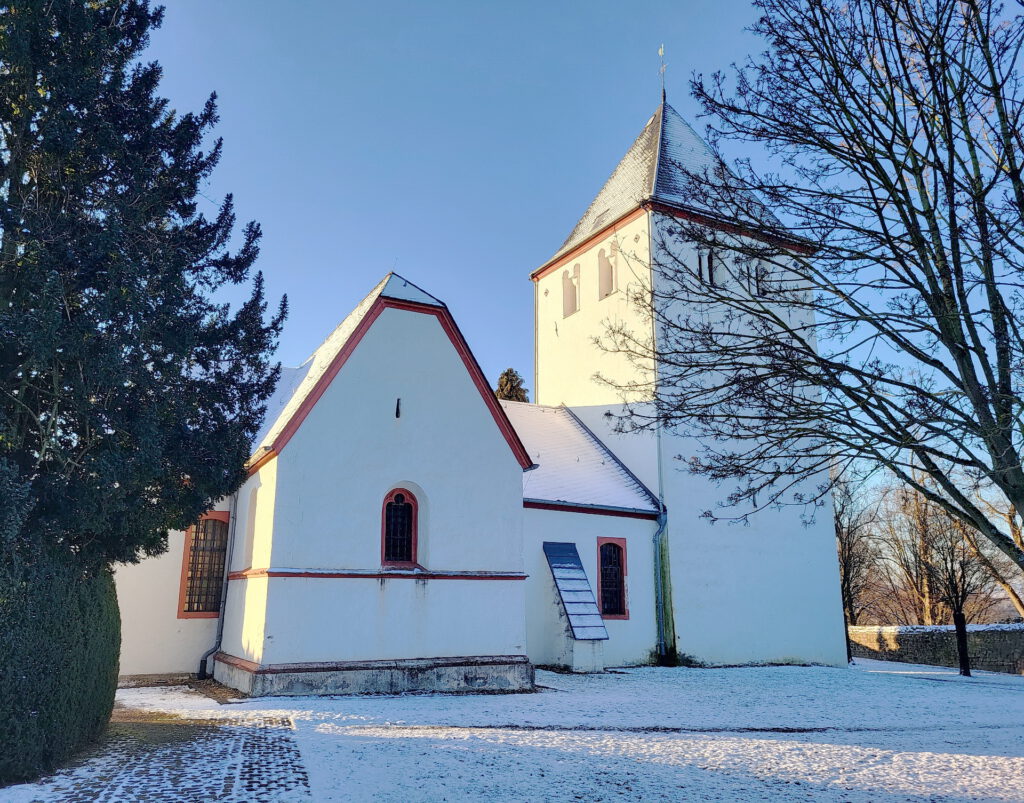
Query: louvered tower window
[398, 546]
[205, 571]
[612, 574]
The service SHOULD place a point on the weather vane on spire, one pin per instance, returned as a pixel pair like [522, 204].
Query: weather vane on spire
[661, 71]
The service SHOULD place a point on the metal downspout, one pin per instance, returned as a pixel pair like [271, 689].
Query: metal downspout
[659, 580]
[201, 673]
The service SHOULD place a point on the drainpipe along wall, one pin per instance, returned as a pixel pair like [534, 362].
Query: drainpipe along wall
[201, 672]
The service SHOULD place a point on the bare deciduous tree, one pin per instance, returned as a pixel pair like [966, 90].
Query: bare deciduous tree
[876, 319]
[858, 554]
[928, 570]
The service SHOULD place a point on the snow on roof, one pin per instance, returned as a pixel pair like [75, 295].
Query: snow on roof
[400, 288]
[573, 466]
[655, 168]
[296, 384]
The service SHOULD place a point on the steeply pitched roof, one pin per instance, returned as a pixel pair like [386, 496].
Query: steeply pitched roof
[573, 466]
[299, 388]
[653, 168]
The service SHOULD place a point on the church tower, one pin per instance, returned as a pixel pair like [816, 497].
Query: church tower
[765, 592]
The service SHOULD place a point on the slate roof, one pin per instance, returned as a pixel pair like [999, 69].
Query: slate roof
[654, 169]
[297, 383]
[573, 465]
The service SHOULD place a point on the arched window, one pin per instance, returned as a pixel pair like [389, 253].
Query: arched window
[570, 291]
[760, 287]
[203, 563]
[398, 529]
[605, 274]
[611, 577]
[711, 266]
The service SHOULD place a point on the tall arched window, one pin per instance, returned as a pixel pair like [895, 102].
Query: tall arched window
[570, 291]
[711, 265]
[203, 564]
[398, 529]
[611, 577]
[605, 274]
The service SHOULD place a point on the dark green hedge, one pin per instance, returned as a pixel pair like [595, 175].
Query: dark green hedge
[60, 635]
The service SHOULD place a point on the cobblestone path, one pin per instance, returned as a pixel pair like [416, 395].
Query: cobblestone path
[153, 759]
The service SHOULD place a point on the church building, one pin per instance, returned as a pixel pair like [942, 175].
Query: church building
[401, 529]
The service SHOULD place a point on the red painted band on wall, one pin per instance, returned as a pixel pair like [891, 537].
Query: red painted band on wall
[258, 573]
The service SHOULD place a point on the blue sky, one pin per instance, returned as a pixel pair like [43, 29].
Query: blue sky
[454, 142]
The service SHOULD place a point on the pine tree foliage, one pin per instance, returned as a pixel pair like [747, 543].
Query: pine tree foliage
[510, 386]
[129, 395]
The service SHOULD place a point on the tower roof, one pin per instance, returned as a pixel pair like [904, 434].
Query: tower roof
[654, 168]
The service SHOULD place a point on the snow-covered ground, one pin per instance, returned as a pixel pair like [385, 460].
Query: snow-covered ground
[874, 732]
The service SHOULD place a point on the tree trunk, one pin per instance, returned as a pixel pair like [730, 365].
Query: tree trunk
[960, 623]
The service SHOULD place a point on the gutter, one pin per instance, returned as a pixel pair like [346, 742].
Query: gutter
[584, 507]
[201, 673]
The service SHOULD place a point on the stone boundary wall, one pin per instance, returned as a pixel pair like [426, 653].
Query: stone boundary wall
[995, 648]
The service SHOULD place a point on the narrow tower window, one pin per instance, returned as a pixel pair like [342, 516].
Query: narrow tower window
[398, 537]
[711, 266]
[605, 274]
[570, 291]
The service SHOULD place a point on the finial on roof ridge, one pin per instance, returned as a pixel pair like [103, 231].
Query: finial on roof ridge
[661, 71]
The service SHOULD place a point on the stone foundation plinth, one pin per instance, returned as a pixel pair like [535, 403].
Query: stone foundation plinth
[487, 673]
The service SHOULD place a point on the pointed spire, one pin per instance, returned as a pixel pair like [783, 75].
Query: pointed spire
[653, 168]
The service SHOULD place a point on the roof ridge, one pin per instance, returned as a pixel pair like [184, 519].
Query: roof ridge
[623, 468]
[393, 275]
[656, 173]
[376, 291]
[535, 404]
[628, 185]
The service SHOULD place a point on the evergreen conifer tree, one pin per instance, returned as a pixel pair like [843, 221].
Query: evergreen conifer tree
[128, 396]
[510, 386]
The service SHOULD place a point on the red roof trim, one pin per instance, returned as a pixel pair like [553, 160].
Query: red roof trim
[293, 423]
[558, 260]
[476, 374]
[733, 228]
[381, 575]
[444, 317]
[568, 507]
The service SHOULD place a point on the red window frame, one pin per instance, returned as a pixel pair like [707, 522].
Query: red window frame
[186, 556]
[411, 499]
[621, 543]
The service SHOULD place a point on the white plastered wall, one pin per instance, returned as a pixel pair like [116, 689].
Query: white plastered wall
[566, 359]
[332, 477]
[380, 619]
[153, 639]
[765, 592]
[631, 641]
[245, 609]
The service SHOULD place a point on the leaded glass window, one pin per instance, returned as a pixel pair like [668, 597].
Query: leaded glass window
[613, 577]
[399, 527]
[207, 553]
